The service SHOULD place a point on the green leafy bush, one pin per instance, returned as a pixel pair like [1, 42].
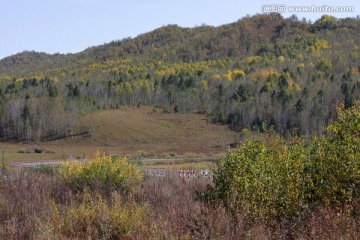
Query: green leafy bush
[266, 178]
[335, 159]
[101, 172]
[38, 150]
[273, 180]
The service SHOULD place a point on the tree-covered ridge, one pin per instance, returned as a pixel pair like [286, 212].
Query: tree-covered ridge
[262, 70]
[169, 43]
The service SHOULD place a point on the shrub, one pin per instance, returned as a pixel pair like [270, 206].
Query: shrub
[38, 150]
[94, 218]
[27, 150]
[139, 155]
[276, 181]
[264, 177]
[102, 173]
[335, 159]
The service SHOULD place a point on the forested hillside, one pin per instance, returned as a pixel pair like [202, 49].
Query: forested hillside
[260, 72]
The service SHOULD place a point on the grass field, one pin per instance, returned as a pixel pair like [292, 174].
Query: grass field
[181, 165]
[127, 131]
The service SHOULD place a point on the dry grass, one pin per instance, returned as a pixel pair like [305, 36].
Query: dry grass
[126, 131]
[179, 213]
[149, 128]
[23, 197]
[174, 212]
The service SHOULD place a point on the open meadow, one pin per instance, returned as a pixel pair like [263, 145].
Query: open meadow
[145, 130]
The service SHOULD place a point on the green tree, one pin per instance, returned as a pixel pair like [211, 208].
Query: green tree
[53, 91]
[326, 22]
[26, 113]
[324, 64]
[335, 161]
[243, 93]
[264, 178]
[299, 106]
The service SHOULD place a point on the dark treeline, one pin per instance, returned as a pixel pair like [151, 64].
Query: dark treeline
[260, 72]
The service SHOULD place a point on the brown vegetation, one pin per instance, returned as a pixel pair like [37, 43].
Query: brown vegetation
[174, 212]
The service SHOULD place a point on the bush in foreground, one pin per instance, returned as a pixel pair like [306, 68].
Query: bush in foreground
[266, 178]
[335, 159]
[35, 206]
[272, 180]
[94, 218]
[101, 173]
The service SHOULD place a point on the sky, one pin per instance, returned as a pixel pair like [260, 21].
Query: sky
[70, 26]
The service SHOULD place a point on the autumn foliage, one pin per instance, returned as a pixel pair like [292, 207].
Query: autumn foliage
[274, 180]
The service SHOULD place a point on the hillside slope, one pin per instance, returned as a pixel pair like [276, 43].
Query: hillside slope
[261, 72]
[150, 128]
[170, 44]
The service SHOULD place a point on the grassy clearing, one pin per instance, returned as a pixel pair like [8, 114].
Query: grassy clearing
[149, 127]
[127, 131]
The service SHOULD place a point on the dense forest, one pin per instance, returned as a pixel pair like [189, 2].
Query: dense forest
[261, 72]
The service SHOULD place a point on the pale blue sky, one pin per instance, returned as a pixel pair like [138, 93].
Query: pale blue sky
[68, 26]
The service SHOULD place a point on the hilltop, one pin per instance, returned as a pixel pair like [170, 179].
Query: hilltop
[169, 43]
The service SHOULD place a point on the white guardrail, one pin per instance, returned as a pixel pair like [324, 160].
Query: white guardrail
[183, 173]
[34, 164]
[156, 172]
